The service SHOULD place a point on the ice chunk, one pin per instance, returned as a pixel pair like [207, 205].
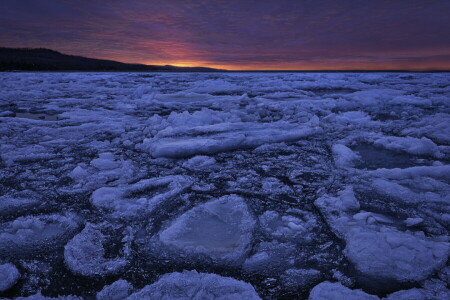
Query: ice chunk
[411, 100]
[196, 286]
[221, 229]
[336, 291]
[288, 226]
[199, 162]
[379, 251]
[29, 234]
[9, 275]
[16, 203]
[85, 254]
[78, 173]
[140, 199]
[344, 157]
[209, 139]
[415, 146]
[412, 294]
[390, 254]
[346, 201]
[413, 221]
[106, 161]
[119, 290]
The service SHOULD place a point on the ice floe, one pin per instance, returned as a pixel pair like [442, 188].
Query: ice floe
[221, 229]
[194, 285]
[85, 253]
[30, 234]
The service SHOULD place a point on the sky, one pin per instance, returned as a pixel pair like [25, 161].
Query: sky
[238, 34]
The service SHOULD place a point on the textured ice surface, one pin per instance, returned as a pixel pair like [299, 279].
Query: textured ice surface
[119, 290]
[85, 254]
[194, 285]
[29, 234]
[327, 290]
[221, 229]
[8, 276]
[139, 199]
[281, 180]
[377, 249]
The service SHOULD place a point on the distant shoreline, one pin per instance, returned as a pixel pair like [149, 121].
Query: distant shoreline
[47, 60]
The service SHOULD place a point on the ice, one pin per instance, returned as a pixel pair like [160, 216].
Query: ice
[119, 290]
[422, 146]
[413, 221]
[380, 251]
[220, 229]
[328, 290]
[281, 180]
[412, 294]
[9, 275]
[139, 199]
[29, 234]
[194, 285]
[199, 162]
[209, 132]
[344, 156]
[85, 254]
[105, 161]
[20, 202]
[394, 255]
[289, 227]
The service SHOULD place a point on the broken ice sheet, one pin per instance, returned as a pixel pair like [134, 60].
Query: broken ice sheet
[142, 175]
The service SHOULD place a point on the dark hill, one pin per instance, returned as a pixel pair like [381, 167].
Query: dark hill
[41, 59]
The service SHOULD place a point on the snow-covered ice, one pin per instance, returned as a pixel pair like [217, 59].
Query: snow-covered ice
[194, 285]
[270, 185]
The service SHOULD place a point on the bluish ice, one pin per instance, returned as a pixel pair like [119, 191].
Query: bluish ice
[224, 185]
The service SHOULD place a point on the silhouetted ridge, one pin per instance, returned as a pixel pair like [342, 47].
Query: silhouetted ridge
[42, 59]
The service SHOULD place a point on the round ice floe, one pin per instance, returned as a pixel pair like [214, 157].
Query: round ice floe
[327, 291]
[28, 234]
[85, 254]
[118, 290]
[141, 198]
[221, 229]
[196, 286]
[8, 276]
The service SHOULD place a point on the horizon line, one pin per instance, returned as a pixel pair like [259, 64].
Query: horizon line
[412, 70]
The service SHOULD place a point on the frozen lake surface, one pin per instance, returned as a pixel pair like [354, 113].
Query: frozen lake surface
[225, 186]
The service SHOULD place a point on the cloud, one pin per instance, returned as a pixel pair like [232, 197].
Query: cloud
[235, 33]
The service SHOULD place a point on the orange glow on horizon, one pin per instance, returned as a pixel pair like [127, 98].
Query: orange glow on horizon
[334, 66]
